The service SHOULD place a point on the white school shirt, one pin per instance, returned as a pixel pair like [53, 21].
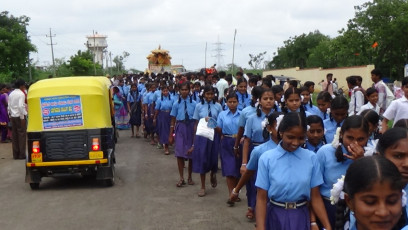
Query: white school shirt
[369, 106]
[397, 110]
[356, 101]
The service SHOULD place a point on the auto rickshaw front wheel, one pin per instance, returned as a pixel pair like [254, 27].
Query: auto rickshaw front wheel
[34, 186]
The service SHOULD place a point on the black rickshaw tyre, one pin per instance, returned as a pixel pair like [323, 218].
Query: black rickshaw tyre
[35, 186]
[111, 181]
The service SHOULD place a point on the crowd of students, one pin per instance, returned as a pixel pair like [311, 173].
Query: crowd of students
[288, 150]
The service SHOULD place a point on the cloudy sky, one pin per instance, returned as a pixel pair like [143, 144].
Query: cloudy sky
[181, 26]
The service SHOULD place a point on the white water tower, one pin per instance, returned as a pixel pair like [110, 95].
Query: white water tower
[97, 45]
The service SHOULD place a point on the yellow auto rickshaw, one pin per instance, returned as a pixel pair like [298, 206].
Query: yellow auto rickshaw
[71, 129]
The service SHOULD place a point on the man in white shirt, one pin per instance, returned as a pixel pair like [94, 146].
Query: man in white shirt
[357, 96]
[380, 86]
[222, 84]
[398, 109]
[17, 109]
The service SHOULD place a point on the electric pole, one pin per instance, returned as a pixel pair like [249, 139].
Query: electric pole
[52, 50]
[218, 50]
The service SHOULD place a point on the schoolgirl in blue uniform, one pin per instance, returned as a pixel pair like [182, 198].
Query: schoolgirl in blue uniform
[323, 100]
[196, 92]
[373, 194]
[135, 109]
[148, 107]
[205, 151]
[278, 92]
[227, 126]
[288, 177]
[182, 125]
[372, 118]
[315, 133]
[393, 145]
[245, 114]
[307, 101]
[338, 112]
[335, 158]
[293, 102]
[253, 137]
[244, 99]
[162, 117]
[270, 130]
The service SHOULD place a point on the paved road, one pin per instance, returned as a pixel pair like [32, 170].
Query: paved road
[144, 197]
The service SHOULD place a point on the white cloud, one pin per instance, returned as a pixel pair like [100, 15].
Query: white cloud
[181, 26]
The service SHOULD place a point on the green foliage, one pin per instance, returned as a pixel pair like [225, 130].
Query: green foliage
[232, 69]
[384, 22]
[14, 46]
[82, 64]
[119, 61]
[256, 60]
[297, 50]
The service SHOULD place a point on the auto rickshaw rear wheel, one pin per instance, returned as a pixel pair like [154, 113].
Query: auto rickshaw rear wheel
[34, 186]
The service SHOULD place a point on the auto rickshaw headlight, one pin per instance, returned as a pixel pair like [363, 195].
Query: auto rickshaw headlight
[36, 147]
[95, 144]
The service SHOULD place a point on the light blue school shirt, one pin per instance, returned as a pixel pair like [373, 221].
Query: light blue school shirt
[141, 87]
[196, 96]
[245, 114]
[157, 94]
[288, 176]
[312, 147]
[174, 96]
[165, 104]
[322, 115]
[253, 128]
[228, 121]
[257, 153]
[330, 126]
[330, 168]
[130, 97]
[244, 100]
[298, 111]
[148, 98]
[201, 110]
[178, 110]
[312, 110]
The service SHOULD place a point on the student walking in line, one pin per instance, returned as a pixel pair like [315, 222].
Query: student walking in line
[336, 157]
[227, 126]
[338, 112]
[182, 126]
[205, 151]
[135, 110]
[162, 118]
[254, 137]
[288, 179]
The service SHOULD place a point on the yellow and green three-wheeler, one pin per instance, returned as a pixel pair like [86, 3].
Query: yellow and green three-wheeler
[71, 129]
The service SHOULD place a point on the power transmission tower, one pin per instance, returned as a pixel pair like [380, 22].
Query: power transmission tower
[218, 52]
[52, 50]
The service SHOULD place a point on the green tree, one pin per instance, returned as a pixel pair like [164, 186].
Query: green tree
[256, 60]
[82, 64]
[385, 23]
[15, 46]
[119, 61]
[296, 50]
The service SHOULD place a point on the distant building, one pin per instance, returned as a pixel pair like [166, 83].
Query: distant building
[97, 44]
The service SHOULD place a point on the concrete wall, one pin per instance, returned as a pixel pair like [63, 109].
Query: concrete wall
[318, 74]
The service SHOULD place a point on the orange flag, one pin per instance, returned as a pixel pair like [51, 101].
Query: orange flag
[374, 45]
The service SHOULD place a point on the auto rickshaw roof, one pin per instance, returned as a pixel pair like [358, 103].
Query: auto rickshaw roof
[69, 85]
